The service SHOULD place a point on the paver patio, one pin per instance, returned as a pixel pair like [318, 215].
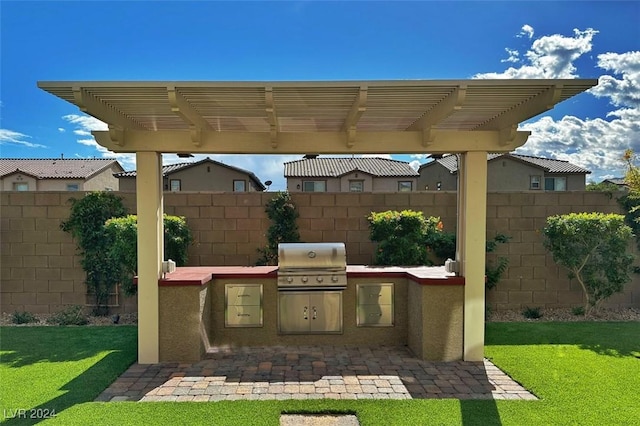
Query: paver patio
[312, 372]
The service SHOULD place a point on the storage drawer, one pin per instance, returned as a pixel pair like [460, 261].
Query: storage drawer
[243, 316]
[375, 294]
[375, 315]
[243, 294]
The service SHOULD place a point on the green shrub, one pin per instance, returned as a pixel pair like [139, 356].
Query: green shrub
[532, 313]
[442, 245]
[577, 310]
[86, 225]
[593, 248]
[283, 214]
[401, 236]
[72, 315]
[122, 234]
[23, 317]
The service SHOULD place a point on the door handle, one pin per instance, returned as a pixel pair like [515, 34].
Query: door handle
[305, 315]
[315, 313]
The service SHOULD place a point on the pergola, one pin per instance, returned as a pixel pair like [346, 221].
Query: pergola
[467, 117]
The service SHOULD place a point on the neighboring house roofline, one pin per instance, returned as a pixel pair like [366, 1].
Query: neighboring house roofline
[169, 169]
[22, 172]
[549, 165]
[47, 168]
[335, 167]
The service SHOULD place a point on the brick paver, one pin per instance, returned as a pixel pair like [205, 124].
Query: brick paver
[311, 372]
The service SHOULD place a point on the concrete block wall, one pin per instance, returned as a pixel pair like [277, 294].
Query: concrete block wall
[40, 269]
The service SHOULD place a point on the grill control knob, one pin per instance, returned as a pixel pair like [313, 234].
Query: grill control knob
[305, 279]
[334, 279]
[289, 279]
[319, 279]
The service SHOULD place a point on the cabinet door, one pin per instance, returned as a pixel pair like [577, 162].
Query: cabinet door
[244, 294]
[325, 312]
[293, 312]
[375, 294]
[375, 315]
[243, 316]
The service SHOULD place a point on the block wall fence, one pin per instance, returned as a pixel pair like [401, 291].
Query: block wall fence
[41, 272]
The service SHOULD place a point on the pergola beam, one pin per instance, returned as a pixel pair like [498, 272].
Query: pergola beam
[272, 116]
[182, 108]
[90, 105]
[540, 103]
[450, 104]
[401, 142]
[357, 109]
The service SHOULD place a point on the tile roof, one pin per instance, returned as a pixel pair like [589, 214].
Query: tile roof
[338, 166]
[168, 169]
[616, 181]
[548, 164]
[56, 168]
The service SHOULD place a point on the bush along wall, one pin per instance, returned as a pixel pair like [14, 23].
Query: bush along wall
[593, 247]
[122, 234]
[407, 238]
[86, 225]
[401, 237]
[283, 229]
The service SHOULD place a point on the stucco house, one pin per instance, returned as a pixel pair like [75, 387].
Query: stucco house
[507, 172]
[350, 174]
[59, 174]
[203, 175]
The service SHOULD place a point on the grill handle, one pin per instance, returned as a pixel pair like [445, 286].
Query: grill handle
[315, 313]
[305, 314]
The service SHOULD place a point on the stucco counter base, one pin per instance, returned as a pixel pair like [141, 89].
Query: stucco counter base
[428, 312]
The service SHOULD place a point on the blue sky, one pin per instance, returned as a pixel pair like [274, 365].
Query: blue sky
[146, 40]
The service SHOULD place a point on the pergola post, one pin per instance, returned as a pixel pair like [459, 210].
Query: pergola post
[470, 250]
[149, 198]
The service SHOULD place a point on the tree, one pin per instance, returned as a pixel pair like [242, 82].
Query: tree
[593, 248]
[86, 226]
[283, 214]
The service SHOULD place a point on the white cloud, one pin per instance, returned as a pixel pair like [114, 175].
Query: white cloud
[16, 138]
[596, 144]
[550, 57]
[514, 55]
[415, 164]
[624, 92]
[61, 129]
[526, 31]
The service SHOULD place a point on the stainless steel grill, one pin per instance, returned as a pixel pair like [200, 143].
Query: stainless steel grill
[312, 266]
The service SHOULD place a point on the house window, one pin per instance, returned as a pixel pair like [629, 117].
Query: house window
[534, 182]
[555, 184]
[72, 187]
[314, 186]
[174, 185]
[356, 185]
[20, 186]
[239, 186]
[405, 186]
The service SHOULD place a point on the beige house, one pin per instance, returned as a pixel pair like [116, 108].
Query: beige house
[201, 176]
[59, 174]
[507, 172]
[350, 174]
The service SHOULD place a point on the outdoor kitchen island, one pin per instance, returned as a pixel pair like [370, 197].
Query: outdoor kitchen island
[204, 309]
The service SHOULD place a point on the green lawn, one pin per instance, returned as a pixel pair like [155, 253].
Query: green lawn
[585, 373]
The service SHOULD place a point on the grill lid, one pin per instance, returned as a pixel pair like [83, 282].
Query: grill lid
[311, 256]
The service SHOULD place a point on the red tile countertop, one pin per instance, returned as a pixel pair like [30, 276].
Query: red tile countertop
[199, 275]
